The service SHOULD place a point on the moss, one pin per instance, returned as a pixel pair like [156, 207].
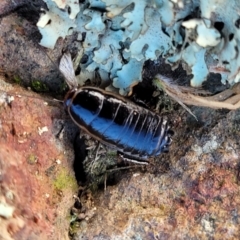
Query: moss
[74, 227]
[17, 79]
[65, 180]
[158, 84]
[39, 86]
[32, 159]
[63, 87]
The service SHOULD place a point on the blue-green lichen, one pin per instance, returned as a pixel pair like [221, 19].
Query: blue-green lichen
[120, 35]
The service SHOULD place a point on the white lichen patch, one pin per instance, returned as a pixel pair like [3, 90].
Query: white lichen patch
[206, 36]
[211, 145]
[53, 24]
[6, 210]
[207, 224]
[208, 146]
[42, 130]
[72, 4]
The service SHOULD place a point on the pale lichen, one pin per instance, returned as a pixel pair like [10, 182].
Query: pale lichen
[120, 35]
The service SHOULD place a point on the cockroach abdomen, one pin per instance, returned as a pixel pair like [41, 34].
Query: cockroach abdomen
[132, 130]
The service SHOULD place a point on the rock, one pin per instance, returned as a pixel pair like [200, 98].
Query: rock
[36, 177]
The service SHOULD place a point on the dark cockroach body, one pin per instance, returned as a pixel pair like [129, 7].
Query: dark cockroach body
[134, 131]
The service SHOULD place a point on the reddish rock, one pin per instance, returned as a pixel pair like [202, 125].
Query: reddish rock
[31, 161]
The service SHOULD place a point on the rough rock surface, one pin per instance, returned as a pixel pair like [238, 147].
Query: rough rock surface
[196, 197]
[36, 176]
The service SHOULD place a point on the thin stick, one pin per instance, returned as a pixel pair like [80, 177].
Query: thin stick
[229, 99]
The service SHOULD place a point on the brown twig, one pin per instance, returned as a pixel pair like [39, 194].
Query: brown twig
[229, 99]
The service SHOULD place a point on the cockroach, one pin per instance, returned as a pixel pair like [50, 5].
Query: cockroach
[136, 132]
